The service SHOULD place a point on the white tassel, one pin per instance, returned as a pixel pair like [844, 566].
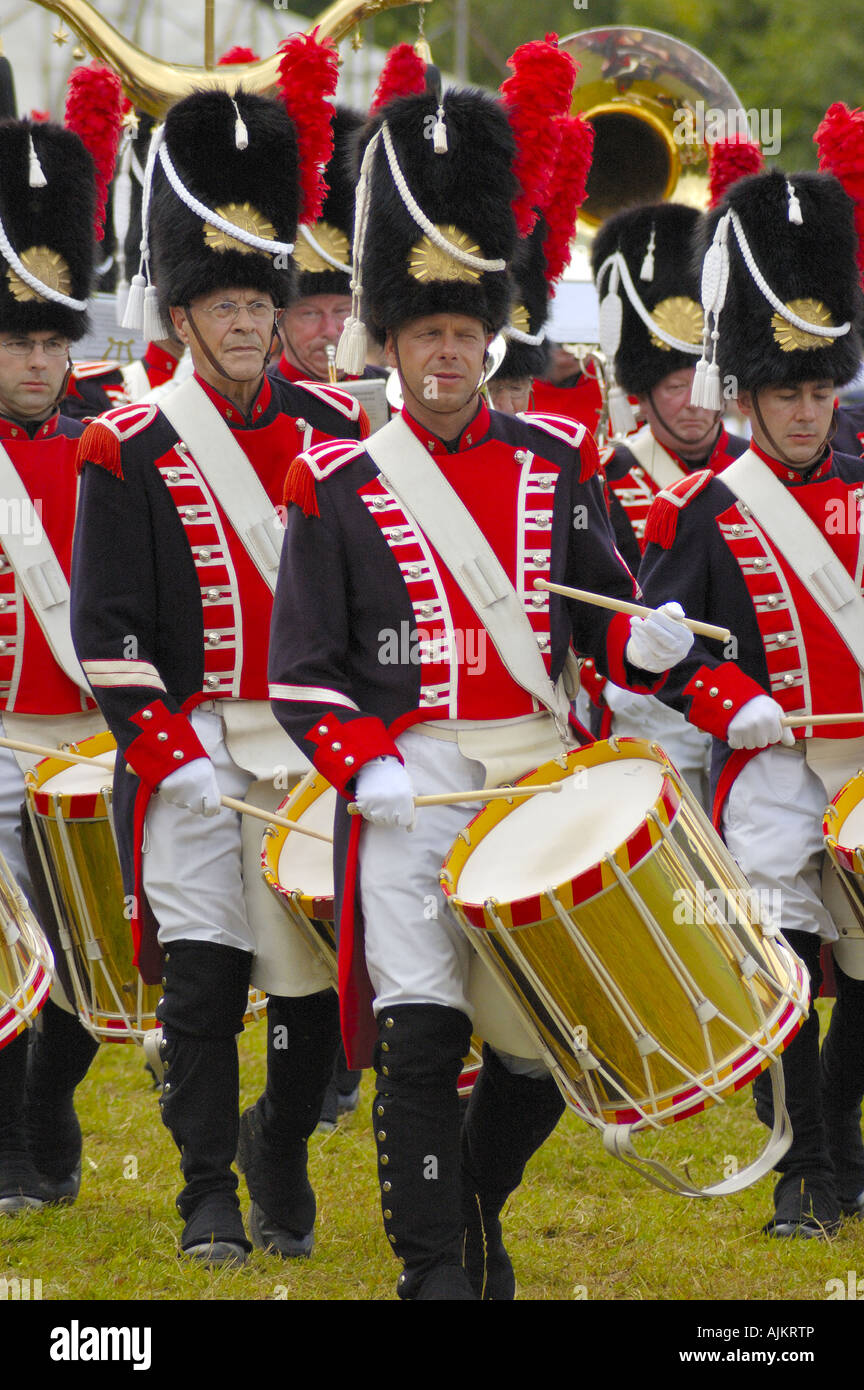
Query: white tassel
[37, 177]
[352, 349]
[647, 271]
[241, 134]
[621, 417]
[439, 133]
[794, 205]
[611, 312]
[154, 327]
[133, 315]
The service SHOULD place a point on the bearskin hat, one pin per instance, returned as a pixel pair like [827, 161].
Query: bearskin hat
[47, 199]
[529, 311]
[655, 243]
[465, 191]
[332, 234]
[236, 156]
[800, 265]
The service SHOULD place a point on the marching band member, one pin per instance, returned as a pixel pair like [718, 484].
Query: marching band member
[403, 661]
[642, 257]
[175, 558]
[47, 198]
[759, 548]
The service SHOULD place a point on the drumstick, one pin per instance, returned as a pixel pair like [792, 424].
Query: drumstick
[490, 794]
[636, 610]
[790, 721]
[245, 807]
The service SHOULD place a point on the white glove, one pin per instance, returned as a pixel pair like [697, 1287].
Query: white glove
[194, 787]
[626, 702]
[384, 793]
[758, 723]
[658, 642]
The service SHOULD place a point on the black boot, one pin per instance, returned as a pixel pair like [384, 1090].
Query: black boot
[805, 1197]
[206, 991]
[60, 1055]
[842, 1062]
[302, 1040]
[508, 1118]
[20, 1185]
[416, 1118]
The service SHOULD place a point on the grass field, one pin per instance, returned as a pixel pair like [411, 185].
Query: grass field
[581, 1227]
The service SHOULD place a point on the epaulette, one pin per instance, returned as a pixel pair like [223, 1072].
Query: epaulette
[100, 443]
[606, 453]
[571, 432]
[313, 467]
[662, 520]
[86, 371]
[342, 401]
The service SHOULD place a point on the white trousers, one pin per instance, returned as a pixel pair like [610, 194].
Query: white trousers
[689, 748]
[203, 878]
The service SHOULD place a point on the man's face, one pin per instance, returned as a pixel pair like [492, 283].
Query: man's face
[795, 419]
[510, 397]
[676, 424]
[309, 327]
[32, 370]
[239, 342]
[439, 359]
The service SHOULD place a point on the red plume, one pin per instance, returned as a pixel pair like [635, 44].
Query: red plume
[308, 73]
[403, 74]
[238, 54]
[730, 160]
[568, 188]
[840, 140]
[94, 107]
[539, 90]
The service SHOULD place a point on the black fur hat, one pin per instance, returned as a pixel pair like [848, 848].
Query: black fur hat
[529, 311]
[47, 202]
[334, 230]
[237, 156]
[465, 191]
[801, 234]
[656, 242]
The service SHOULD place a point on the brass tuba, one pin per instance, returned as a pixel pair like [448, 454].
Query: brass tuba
[650, 99]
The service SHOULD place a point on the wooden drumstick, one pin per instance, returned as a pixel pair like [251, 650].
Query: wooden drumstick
[793, 721]
[489, 794]
[636, 610]
[245, 807]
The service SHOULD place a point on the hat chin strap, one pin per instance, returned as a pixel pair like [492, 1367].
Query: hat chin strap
[679, 439]
[217, 366]
[778, 452]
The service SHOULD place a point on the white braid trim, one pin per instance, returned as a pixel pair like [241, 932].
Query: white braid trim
[455, 252]
[282, 248]
[44, 291]
[319, 251]
[633, 295]
[768, 293]
[530, 339]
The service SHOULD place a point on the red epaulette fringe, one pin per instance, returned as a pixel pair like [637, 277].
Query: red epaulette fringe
[99, 444]
[300, 488]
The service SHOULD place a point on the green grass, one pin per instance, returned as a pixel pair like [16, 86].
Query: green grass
[581, 1225]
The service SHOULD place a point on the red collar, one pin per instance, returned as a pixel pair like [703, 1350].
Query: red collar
[789, 475]
[18, 429]
[287, 369]
[160, 360]
[230, 412]
[476, 430]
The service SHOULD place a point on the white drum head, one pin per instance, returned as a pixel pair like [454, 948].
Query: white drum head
[306, 865]
[851, 832]
[78, 780]
[549, 839]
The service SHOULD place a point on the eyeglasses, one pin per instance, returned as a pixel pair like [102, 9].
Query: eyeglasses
[226, 311]
[25, 347]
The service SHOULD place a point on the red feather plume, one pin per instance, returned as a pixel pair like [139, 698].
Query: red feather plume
[308, 73]
[403, 74]
[840, 141]
[539, 91]
[568, 187]
[238, 54]
[94, 108]
[730, 160]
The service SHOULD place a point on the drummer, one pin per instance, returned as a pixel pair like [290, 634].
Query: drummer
[650, 249]
[175, 558]
[388, 698]
[760, 549]
[47, 197]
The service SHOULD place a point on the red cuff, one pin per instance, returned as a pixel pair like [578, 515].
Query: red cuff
[617, 637]
[717, 696]
[166, 743]
[592, 682]
[342, 749]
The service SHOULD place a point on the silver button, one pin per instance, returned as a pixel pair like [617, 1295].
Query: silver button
[205, 555]
[379, 503]
[211, 682]
[190, 513]
[336, 747]
[713, 691]
[162, 736]
[773, 601]
[520, 456]
[213, 595]
[788, 680]
[182, 448]
[172, 476]
[414, 571]
[761, 565]
[349, 761]
[178, 754]
[300, 423]
[213, 639]
[540, 557]
[426, 609]
[782, 640]
[537, 600]
[727, 704]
